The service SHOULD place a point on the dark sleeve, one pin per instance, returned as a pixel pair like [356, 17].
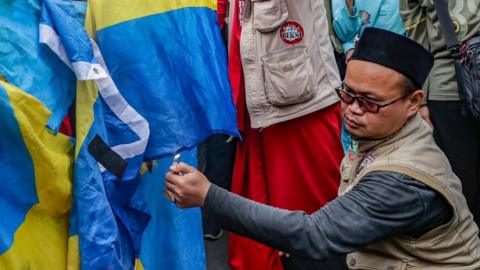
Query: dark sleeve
[382, 203]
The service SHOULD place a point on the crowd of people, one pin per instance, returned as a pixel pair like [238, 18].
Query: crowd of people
[358, 148]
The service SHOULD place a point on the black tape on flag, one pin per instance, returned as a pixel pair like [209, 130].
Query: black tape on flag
[109, 159]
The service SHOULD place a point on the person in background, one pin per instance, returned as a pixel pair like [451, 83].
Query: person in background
[336, 43]
[341, 63]
[216, 154]
[400, 204]
[457, 135]
[351, 17]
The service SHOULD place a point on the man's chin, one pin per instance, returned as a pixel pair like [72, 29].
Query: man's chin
[356, 134]
[352, 132]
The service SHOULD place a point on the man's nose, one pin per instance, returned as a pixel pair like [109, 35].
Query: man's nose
[354, 107]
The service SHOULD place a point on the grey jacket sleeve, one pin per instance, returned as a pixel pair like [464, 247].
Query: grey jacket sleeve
[382, 203]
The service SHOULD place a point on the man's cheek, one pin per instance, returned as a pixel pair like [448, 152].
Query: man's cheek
[343, 107]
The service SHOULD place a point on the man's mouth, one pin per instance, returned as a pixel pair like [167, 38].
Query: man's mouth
[351, 123]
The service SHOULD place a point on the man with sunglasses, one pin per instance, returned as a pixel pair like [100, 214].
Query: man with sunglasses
[400, 204]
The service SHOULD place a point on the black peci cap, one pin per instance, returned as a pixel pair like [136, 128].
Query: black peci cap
[396, 52]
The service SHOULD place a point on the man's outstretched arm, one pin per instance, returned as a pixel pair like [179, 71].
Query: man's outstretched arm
[383, 203]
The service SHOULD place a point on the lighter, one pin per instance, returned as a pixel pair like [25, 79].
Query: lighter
[168, 194]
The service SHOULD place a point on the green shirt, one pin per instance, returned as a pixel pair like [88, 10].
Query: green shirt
[421, 24]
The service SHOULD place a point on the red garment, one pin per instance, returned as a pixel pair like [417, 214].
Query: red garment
[222, 7]
[66, 127]
[235, 66]
[292, 165]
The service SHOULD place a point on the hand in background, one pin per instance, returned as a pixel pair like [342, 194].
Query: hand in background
[348, 55]
[188, 186]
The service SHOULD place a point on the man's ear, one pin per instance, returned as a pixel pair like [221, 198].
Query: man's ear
[415, 101]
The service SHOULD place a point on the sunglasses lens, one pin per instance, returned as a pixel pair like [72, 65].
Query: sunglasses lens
[345, 97]
[367, 105]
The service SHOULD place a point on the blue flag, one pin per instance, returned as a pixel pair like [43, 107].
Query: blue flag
[173, 239]
[168, 60]
[28, 65]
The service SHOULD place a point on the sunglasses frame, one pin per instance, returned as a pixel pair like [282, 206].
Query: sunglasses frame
[343, 88]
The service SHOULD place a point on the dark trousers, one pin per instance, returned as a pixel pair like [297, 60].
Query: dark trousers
[459, 138]
[216, 157]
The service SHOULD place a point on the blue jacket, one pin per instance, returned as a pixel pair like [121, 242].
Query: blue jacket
[383, 14]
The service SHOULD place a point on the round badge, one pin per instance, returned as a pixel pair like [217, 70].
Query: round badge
[291, 33]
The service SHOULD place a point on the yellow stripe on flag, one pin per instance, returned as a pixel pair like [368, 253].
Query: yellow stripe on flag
[138, 264]
[73, 262]
[125, 10]
[87, 94]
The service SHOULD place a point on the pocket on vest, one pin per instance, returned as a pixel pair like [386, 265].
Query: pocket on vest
[372, 261]
[288, 76]
[269, 15]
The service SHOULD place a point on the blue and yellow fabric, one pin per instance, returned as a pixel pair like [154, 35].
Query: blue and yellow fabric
[168, 60]
[26, 64]
[36, 165]
[166, 66]
[180, 71]
[108, 215]
[35, 197]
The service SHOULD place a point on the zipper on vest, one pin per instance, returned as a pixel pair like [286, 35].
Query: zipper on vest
[253, 19]
[251, 13]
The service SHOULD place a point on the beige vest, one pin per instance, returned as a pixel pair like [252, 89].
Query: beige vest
[288, 60]
[412, 151]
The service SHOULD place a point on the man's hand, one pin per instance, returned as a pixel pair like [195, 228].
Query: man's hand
[425, 113]
[188, 186]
